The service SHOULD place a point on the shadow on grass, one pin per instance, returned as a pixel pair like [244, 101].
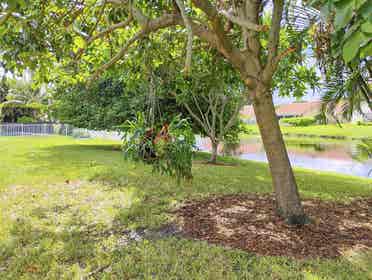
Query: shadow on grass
[240, 177]
[83, 146]
[35, 251]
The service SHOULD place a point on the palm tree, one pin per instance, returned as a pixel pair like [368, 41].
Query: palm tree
[347, 90]
[3, 89]
[22, 91]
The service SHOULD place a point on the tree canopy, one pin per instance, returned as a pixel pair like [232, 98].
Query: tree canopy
[349, 26]
[343, 46]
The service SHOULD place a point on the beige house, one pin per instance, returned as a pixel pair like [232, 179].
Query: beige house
[305, 109]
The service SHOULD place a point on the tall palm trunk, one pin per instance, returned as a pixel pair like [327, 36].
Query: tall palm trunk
[287, 197]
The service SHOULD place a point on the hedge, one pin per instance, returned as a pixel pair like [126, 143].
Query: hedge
[301, 121]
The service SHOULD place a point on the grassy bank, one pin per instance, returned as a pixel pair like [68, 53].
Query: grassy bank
[65, 204]
[347, 131]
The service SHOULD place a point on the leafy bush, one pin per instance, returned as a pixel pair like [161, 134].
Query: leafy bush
[80, 133]
[168, 149]
[104, 105]
[110, 101]
[26, 119]
[302, 121]
[11, 112]
[360, 123]
[363, 150]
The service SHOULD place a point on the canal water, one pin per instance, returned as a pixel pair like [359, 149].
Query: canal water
[341, 156]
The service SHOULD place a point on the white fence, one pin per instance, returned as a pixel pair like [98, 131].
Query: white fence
[86, 133]
[34, 129]
[15, 129]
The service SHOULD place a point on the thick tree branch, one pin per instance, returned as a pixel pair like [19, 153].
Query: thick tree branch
[273, 43]
[186, 20]
[195, 116]
[204, 34]
[212, 37]
[132, 9]
[205, 118]
[119, 55]
[275, 28]
[207, 8]
[110, 29]
[242, 22]
[206, 115]
[101, 34]
[224, 43]
[224, 101]
[152, 26]
[234, 117]
[214, 105]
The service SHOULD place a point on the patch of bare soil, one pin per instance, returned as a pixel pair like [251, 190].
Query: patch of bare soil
[249, 222]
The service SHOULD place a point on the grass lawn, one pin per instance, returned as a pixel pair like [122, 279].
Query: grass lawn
[352, 131]
[65, 203]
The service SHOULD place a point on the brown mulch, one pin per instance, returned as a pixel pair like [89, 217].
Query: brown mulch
[249, 222]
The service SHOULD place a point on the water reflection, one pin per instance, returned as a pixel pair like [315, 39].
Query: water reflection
[346, 157]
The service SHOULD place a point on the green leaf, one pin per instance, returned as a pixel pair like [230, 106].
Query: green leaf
[365, 11]
[326, 9]
[344, 13]
[359, 3]
[78, 43]
[352, 45]
[16, 4]
[367, 27]
[366, 50]
[349, 32]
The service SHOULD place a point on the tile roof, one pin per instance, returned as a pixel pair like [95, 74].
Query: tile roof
[292, 109]
[299, 108]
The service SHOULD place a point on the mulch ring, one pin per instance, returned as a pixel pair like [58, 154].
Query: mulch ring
[249, 222]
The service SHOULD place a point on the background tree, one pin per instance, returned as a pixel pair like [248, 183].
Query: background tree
[212, 99]
[23, 101]
[4, 89]
[106, 105]
[141, 84]
[22, 91]
[150, 82]
[345, 95]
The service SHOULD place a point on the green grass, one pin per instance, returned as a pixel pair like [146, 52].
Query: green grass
[64, 204]
[347, 131]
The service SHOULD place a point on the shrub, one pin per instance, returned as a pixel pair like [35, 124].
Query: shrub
[11, 112]
[360, 123]
[80, 133]
[302, 121]
[26, 119]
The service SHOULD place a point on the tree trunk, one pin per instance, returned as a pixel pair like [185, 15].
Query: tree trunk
[286, 193]
[213, 158]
